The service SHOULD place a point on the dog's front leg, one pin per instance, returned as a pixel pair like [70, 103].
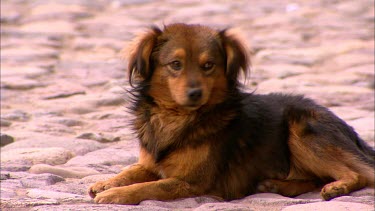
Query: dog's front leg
[164, 189]
[133, 174]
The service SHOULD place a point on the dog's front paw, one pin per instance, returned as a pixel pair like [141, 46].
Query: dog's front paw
[100, 187]
[118, 195]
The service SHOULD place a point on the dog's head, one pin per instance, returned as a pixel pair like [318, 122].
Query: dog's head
[187, 66]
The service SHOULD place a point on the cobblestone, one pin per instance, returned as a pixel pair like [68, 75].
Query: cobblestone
[63, 81]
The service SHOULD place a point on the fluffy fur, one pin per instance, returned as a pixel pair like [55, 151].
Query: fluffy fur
[200, 135]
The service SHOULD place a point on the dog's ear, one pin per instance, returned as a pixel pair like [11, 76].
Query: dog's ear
[139, 60]
[236, 54]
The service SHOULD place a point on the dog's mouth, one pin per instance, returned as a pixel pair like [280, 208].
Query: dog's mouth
[192, 106]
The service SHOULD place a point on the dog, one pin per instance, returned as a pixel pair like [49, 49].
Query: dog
[199, 134]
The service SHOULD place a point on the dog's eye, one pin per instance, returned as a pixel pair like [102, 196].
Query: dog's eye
[208, 66]
[175, 65]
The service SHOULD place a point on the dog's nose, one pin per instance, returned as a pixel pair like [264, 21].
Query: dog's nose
[194, 94]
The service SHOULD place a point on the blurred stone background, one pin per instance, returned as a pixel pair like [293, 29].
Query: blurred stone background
[63, 119]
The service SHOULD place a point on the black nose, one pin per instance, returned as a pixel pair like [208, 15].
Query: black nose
[194, 94]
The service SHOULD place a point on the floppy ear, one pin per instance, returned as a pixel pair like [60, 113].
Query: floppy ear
[236, 55]
[139, 60]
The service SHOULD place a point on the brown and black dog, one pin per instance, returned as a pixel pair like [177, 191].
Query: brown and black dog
[200, 135]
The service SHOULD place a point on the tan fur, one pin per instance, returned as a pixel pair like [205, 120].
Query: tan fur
[133, 174]
[183, 162]
[168, 124]
[164, 189]
[174, 95]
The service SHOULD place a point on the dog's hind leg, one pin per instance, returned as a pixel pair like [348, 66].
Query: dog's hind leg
[346, 182]
[287, 187]
[324, 153]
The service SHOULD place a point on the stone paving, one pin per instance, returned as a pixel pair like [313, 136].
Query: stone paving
[63, 119]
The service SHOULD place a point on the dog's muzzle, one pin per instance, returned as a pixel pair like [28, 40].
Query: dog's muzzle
[194, 94]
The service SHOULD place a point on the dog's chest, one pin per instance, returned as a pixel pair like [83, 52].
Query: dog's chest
[167, 125]
[185, 162]
[162, 131]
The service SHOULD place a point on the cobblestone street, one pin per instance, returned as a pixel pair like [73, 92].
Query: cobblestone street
[64, 123]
